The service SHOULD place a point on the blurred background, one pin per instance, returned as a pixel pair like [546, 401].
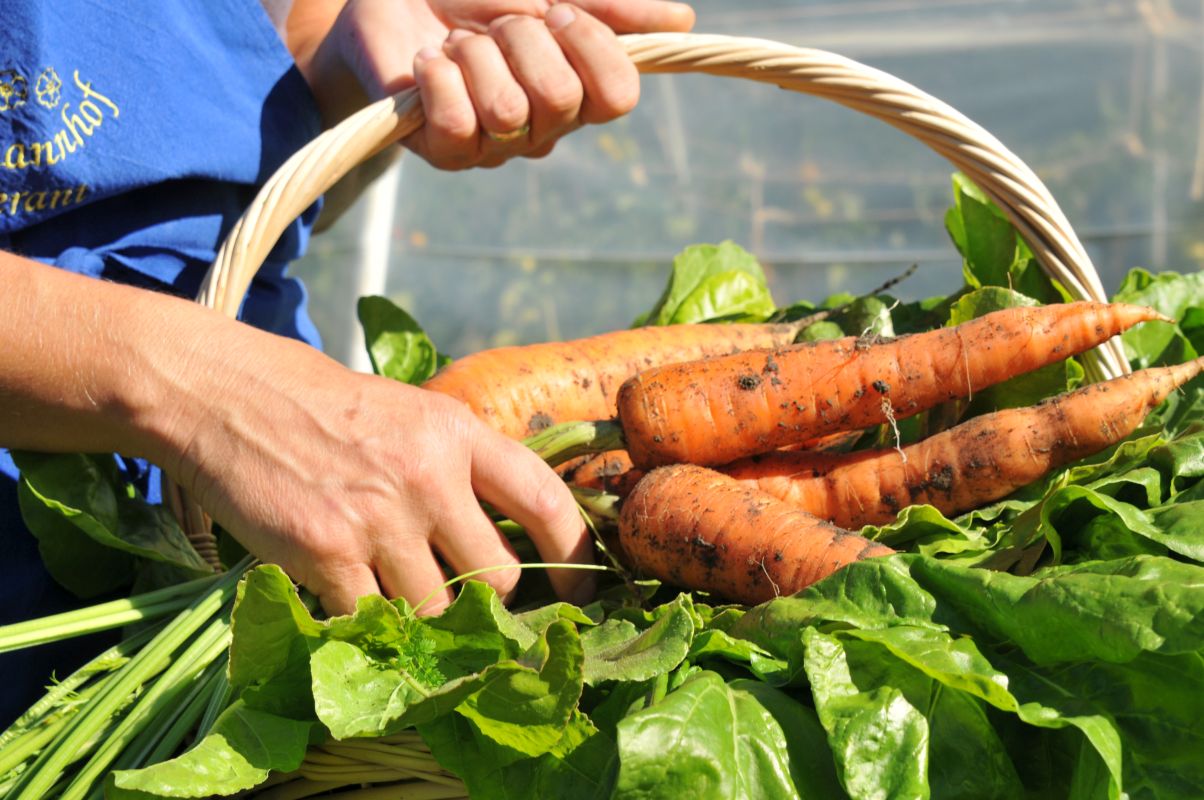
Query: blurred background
[1104, 99]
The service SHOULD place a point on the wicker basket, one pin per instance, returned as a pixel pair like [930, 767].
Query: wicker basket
[999, 173]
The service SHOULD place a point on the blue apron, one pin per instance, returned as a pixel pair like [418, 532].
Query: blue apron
[133, 133]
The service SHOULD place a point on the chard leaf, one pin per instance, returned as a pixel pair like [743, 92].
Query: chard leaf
[1155, 344]
[723, 743]
[241, 750]
[618, 651]
[711, 282]
[713, 643]
[397, 346]
[269, 649]
[538, 619]
[993, 254]
[879, 739]
[1109, 611]
[812, 767]
[1178, 528]
[82, 565]
[982, 234]
[820, 331]
[526, 709]
[74, 501]
[368, 669]
[477, 630]
[581, 765]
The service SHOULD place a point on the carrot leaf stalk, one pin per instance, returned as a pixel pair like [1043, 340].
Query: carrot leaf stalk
[567, 440]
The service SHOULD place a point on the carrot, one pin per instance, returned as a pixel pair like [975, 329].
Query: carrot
[977, 462]
[700, 529]
[716, 410]
[612, 471]
[523, 390]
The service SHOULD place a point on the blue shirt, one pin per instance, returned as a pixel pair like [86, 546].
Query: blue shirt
[133, 133]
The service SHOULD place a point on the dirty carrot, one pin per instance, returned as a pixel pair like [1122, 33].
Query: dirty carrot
[698, 528]
[613, 473]
[716, 410]
[523, 389]
[977, 462]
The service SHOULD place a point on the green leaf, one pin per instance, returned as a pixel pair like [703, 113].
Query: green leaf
[79, 563]
[618, 651]
[397, 345]
[369, 669]
[527, 709]
[244, 747]
[981, 233]
[879, 738]
[582, 765]
[269, 650]
[1109, 611]
[1156, 344]
[820, 331]
[704, 740]
[812, 766]
[866, 316]
[993, 254]
[87, 493]
[711, 282]
[477, 630]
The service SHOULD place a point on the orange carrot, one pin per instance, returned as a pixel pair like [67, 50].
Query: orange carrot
[612, 471]
[977, 462]
[522, 390]
[700, 529]
[718, 409]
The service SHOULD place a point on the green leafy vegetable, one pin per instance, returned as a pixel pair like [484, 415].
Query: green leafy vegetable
[711, 282]
[397, 345]
[93, 528]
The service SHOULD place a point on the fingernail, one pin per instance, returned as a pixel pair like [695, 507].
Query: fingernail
[425, 54]
[457, 34]
[559, 16]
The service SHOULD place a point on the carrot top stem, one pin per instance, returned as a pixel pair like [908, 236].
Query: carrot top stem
[599, 505]
[559, 443]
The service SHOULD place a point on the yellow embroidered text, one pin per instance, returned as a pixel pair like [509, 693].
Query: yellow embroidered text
[15, 203]
[79, 123]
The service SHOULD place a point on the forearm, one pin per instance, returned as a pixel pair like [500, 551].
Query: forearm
[92, 366]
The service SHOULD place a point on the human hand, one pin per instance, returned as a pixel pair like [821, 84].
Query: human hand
[354, 483]
[498, 78]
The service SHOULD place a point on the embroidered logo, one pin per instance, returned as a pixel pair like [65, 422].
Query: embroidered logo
[76, 113]
[49, 88]
[14, 90]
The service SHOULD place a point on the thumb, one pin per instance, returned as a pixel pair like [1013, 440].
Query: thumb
[640, 16]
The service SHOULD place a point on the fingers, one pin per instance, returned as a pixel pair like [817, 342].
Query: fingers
[501, 103]
[449, 139]
[515, 480]
[518, 88]
[640, 16]
[470, 542]
[610, 82]
[338, 588]
[407, 568]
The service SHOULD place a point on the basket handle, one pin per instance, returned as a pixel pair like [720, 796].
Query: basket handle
[1012, 185]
